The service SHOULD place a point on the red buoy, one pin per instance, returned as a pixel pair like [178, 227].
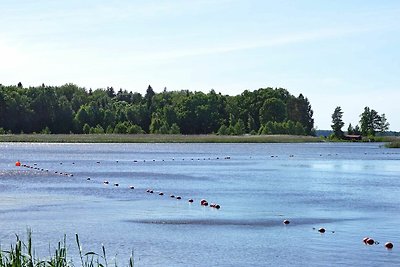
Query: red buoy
[389, 245]
[18, 164]
[365, 239]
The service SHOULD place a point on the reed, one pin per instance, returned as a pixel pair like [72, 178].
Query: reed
[154, 138]
[394, 144]
[21, 254]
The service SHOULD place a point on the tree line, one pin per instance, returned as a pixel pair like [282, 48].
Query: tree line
[72, 109]
[371, 123]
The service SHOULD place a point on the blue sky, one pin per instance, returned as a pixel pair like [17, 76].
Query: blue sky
[335, 52]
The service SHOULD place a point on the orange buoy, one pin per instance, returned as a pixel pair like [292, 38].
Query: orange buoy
[18, 164]
[389, 245]
[321, 230]
[286, 221]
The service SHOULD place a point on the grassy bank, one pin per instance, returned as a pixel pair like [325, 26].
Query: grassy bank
[22, 254]
[152, 138]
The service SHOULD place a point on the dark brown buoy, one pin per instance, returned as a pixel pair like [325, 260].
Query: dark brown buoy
[370, 241]
[389, 245]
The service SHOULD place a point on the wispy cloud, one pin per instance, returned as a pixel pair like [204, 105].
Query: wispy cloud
[253, 43]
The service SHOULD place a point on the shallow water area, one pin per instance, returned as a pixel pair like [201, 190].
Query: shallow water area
[350, 189]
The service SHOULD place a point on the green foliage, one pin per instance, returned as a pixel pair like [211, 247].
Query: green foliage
[273, 109]
[174, 129]
[251, 124]
[357, 130]
[371, 122]
[97, 130]
[135, 129]
[223, 130]
[337, 123]
[46, 130]
[239, 128]
[383, 124]
[2, 131]
[121, 128]
[109, 129]
[350, 129]
[72, 109]
[164, 129]
[86, 128]
[288, 127]
[156, 124]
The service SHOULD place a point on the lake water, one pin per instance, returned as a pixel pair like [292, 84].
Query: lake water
[350, 189]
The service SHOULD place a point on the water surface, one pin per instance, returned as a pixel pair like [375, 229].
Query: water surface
[352, 190]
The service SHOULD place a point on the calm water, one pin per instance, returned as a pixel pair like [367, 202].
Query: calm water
[352, 190]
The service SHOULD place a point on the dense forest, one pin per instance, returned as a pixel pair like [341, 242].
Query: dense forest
[72, 109]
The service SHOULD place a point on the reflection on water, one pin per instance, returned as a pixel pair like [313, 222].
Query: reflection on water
[350, 189]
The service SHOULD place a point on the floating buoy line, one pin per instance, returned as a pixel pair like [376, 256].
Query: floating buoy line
[203, 202]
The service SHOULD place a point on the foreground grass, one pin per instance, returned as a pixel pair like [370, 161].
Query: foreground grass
[153, 138]
[22, 254]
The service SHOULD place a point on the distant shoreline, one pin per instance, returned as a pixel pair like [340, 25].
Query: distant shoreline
[154, 138]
